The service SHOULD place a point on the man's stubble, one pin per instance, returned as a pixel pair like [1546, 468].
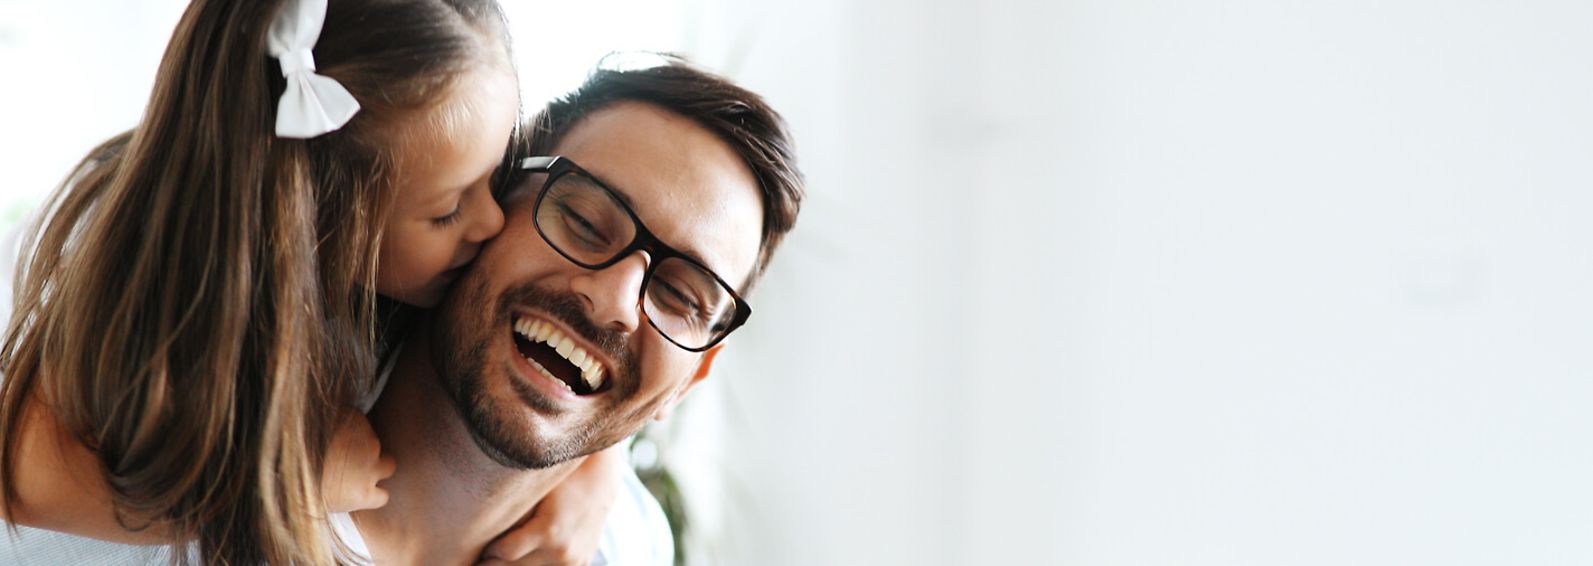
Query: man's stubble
[461, 340]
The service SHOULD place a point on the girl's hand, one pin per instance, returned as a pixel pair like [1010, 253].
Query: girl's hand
[354, 464]
[565, 528]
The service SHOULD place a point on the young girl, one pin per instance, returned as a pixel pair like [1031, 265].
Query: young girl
[199, 313]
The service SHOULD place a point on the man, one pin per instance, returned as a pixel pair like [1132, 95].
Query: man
[621, 268]
[619, 272]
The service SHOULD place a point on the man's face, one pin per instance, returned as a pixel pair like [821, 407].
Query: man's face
[694, 193]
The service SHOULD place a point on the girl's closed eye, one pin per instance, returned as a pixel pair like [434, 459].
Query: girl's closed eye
[448, 219]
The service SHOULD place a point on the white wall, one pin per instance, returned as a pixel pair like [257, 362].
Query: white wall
[1123, 282]
[1128, 282]
[75, 74]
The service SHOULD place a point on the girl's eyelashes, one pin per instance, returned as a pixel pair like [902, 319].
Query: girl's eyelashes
[447, 220]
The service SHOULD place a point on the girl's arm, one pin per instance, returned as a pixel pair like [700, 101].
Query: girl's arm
[60, 485]
[566, 526]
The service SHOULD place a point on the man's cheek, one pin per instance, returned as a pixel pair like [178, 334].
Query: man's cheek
[662, 371]
[532, 262]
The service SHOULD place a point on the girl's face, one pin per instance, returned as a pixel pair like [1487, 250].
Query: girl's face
[444, 208]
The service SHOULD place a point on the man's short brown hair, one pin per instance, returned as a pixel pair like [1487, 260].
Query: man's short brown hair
[736, 115]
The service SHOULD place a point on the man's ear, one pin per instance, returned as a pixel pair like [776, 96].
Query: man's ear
[703, 368]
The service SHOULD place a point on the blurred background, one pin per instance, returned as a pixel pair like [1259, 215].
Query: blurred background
[1093, 282]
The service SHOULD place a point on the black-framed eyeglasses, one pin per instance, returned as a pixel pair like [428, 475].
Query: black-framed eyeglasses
[589, 224]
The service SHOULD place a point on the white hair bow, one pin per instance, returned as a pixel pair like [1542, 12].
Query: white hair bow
[312, 104]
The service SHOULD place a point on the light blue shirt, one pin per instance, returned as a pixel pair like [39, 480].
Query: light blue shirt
[635, 533]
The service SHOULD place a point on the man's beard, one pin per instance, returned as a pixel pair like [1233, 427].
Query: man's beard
[461, 352]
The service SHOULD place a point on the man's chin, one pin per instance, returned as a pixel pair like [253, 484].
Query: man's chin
[511, 454]
[515, 436]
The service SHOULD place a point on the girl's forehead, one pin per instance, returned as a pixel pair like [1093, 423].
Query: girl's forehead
[456, 142]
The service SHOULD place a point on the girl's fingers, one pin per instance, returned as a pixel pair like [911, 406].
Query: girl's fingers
[385, 466]
[377, 498]
[515, 544]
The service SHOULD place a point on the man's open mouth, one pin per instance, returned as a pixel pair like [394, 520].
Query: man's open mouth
[556, 355]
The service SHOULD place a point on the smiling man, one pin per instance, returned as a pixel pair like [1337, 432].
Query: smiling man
[651, 202]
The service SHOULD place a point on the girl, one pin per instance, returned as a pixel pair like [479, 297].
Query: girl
[199, 313]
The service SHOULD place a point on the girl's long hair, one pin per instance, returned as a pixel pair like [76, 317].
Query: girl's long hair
[198, 304]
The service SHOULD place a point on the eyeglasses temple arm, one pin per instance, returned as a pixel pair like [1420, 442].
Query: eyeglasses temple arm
[537, 162]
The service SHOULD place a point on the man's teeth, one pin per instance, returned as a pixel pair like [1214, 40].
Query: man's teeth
[536, 330]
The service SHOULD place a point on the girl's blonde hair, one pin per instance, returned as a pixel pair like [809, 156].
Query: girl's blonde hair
[199, 305]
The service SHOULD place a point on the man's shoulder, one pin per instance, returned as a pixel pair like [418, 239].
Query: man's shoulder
[637, 532]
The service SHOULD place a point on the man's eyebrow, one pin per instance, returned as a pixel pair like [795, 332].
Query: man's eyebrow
[630, 204]
[613, 188]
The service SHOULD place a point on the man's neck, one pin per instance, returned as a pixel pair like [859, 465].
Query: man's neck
[447, 500]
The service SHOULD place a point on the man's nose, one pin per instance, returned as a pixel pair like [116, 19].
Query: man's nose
[612, 293]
